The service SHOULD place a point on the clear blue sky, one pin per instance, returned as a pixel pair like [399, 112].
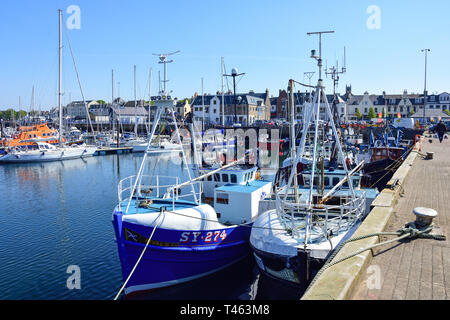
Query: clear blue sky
[264, 38]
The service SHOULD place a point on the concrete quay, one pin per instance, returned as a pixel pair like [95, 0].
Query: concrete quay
[417, 269]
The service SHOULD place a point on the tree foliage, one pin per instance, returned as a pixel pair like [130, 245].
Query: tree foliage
[372, 114]
[8, 114]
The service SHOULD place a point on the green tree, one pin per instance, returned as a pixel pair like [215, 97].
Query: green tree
[358, 114]
[372, 114]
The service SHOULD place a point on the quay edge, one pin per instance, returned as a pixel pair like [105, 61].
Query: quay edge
[338, 281]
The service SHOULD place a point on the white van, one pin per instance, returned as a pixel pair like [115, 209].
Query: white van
[406, 123]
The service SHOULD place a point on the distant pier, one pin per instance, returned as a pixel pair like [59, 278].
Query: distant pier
[103, 151]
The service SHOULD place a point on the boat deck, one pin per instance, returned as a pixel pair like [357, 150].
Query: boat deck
[155, 206]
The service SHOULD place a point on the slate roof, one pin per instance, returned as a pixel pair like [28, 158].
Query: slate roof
[130, 111]
[430, 113]
[228, 99]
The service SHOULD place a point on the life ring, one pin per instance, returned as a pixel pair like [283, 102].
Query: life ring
[378, 144]
[221, 159]
[348, 162]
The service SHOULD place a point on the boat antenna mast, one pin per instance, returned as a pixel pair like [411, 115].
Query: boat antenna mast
[335, 73]
[163, 60]
[319, 96]
[309, 75]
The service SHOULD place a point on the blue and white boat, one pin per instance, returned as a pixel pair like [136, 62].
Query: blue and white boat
[167, 235]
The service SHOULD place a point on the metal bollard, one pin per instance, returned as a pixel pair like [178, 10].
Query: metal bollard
[424, 216]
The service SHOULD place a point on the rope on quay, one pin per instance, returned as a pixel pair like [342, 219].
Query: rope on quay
[409, 231]
[142, 254]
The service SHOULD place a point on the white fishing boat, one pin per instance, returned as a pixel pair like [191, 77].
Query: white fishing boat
[293, 240]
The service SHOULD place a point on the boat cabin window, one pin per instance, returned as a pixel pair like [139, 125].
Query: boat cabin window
[336, 180]
[217, 177]
[327, 181]
[355, 183]
[224, 177]
[233, 178]
[43, 134]
[222, 198]
[209, 178]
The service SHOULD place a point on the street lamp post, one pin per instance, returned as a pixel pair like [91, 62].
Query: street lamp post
[234, 74]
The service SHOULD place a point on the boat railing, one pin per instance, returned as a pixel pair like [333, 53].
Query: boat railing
[156, 186]
[302, 219]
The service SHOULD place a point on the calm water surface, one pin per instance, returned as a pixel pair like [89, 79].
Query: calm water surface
[59, 214]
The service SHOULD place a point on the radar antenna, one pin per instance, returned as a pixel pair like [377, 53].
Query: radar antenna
[163, 60]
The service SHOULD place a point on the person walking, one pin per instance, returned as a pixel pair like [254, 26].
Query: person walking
[441, 129]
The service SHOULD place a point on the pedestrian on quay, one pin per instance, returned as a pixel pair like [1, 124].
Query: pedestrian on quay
[441, 129]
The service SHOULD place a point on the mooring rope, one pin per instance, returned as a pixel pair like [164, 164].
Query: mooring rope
[142, 254]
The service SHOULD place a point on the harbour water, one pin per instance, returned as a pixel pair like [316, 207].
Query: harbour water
[58, 214]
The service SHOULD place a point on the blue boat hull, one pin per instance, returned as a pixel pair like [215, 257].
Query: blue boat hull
[176, 256]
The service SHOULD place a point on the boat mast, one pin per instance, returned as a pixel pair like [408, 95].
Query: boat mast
[149, 97]
[203, 108]
[223, 105]
[292, 136]
[135, 105]
[59, 78]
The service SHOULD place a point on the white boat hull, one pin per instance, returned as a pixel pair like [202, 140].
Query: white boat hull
[49, 155]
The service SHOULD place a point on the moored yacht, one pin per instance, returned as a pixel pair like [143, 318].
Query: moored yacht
[42, 152]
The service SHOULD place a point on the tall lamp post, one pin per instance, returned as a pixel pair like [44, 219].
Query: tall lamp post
[234, 74]
[425, 89]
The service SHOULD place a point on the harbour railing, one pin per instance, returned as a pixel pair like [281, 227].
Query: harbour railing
[318, 221]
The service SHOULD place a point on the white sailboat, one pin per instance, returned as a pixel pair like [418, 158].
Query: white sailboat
[41, 151]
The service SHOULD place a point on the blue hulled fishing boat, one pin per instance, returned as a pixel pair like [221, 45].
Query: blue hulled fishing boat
[167, 235]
